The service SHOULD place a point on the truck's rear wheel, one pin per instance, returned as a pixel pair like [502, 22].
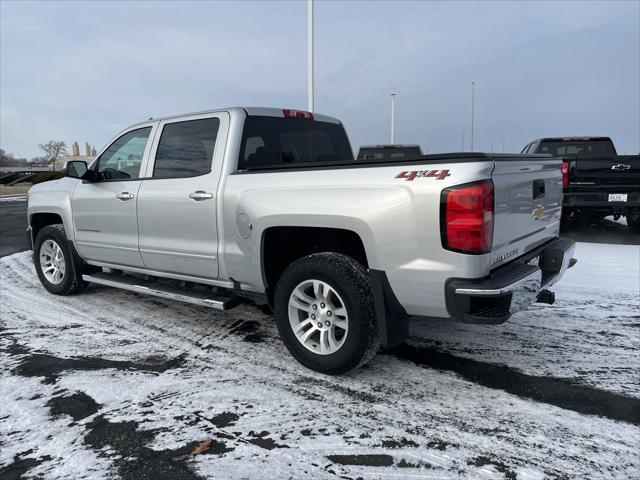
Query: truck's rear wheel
[55, 263]
[325, 313]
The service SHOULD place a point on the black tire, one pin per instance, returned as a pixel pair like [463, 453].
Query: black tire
[351, 281]
[265, 308]
[71, 282]
[565, 222]
[633, 221]
[588, 218]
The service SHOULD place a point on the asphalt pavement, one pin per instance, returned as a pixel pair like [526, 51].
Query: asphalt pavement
[13, 226]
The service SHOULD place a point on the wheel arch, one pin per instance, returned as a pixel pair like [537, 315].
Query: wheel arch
[282, 245]
[39, 220]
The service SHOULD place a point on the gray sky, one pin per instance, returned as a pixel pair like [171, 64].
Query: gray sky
[84, 70]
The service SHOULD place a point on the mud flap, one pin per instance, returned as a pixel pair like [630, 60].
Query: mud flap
[392, 318]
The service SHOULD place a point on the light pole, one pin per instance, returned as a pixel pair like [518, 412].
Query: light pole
[462, 148]
[473, 99]
[310, 55]
[393, 115]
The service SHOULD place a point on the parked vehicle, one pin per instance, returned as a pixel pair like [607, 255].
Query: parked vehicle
[388, 152]
[270, 205]
[597, 181]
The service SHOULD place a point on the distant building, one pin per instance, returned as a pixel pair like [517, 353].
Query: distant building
[89, 155]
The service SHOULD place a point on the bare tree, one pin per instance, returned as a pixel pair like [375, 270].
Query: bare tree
[52, 151]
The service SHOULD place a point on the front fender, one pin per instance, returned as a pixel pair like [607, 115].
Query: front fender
[53, 197]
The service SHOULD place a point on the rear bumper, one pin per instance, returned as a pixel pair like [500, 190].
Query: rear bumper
[597, 196]
[511, 288]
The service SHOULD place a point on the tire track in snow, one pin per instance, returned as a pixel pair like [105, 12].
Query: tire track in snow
[553, 391]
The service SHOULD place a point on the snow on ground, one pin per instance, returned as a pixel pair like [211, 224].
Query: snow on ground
[621, 220]
[111, 383]
[590, 335]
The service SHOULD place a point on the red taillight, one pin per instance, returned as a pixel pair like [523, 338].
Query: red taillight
[565, 173]
[297, 114]
[467, 218]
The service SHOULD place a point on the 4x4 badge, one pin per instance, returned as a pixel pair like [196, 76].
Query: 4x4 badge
[437, 174]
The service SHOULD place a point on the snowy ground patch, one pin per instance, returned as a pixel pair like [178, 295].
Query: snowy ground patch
[110, 383]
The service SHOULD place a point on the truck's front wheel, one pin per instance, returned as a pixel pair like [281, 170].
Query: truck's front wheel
[55, 263]
[325, 313]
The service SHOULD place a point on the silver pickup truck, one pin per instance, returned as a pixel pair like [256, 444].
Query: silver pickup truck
[269, 205]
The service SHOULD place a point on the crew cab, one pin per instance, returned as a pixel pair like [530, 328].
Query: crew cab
[597, 181]
[269, 205]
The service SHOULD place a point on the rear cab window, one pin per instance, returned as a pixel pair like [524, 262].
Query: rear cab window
[579, 148]
[281, 142]
[388, 153]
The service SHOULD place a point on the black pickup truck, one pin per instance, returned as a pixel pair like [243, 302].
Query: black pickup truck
[387, 152]
[597, 181]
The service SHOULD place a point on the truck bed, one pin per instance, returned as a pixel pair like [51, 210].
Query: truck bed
[395, 207]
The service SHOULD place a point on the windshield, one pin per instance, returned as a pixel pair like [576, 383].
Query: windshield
[275, 141]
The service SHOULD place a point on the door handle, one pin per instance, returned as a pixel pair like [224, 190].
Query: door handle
[124, 196]
[200, 195]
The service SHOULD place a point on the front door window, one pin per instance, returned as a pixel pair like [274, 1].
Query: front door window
[123, 158]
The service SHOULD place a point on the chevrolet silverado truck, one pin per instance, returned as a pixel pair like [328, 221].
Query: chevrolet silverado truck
[269, 205]
[597, 181]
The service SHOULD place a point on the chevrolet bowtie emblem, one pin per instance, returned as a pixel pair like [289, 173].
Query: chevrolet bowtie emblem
[621, 166]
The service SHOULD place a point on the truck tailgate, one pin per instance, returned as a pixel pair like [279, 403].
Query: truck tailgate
[620, 170]
[527, 204]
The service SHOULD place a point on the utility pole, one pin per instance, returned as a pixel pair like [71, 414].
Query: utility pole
[473, 99]
[310, 55]
[503, 142]
[462, 148]
[393, 116]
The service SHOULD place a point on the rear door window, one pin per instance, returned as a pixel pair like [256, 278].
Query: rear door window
[186, 148]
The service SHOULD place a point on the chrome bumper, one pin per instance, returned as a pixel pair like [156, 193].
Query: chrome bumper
[512, 288]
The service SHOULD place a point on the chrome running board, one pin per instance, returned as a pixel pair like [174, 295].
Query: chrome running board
[205, 298]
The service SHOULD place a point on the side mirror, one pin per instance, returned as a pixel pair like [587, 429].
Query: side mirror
[76, 168]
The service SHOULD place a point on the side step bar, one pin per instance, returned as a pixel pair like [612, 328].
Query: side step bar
[196, 297]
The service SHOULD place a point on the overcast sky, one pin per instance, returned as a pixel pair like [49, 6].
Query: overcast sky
[81, 71]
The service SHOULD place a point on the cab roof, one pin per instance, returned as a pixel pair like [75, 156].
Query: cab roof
[249, 111]
[571, 139]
